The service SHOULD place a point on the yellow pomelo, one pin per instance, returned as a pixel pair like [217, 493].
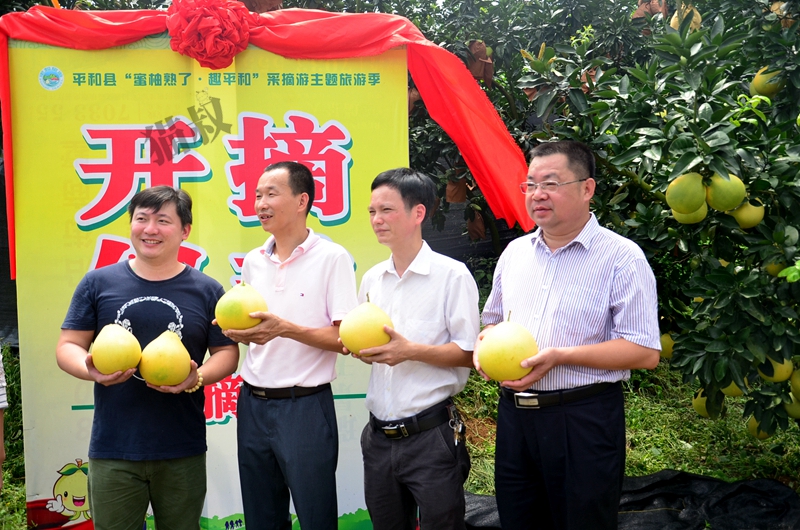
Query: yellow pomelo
[748, 215]
[767, 83]
[677, 18]
[686, 194]
[666, 345]
[691, 218]
[503, 348]
[773, 268]
[165, 361]
[724, 195]
[794, 383]
[780, 372]
[752, 428]
[793, 408]
[234, 307]
[698, 299]
[733, 389]
[115, 350]
[362, 328]
[699, 404]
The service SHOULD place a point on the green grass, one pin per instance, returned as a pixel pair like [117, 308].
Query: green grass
[12, 497]
[664, 432]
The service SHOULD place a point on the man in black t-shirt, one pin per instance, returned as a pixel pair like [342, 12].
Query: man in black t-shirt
[148, 443]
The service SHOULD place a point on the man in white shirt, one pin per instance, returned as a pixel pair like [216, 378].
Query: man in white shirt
[286, 424]
[588, 296]
[413, 446]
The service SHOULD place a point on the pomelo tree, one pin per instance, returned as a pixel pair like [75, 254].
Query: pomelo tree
[688, 109]
[656, 102]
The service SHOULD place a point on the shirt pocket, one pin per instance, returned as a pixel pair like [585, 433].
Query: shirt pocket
[583, 314]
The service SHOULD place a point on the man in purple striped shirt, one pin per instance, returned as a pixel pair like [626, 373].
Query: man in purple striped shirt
[588, 296]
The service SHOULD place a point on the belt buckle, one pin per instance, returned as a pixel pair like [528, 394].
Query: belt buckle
[526, 400]
[395, 432]
[258, 393]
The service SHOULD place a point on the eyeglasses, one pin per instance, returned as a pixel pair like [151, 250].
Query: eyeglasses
[548, 186]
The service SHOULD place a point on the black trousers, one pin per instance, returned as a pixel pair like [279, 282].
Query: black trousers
[561, 467]
[288, 445]
[425, 470]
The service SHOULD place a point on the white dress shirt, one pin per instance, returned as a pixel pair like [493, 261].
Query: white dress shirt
[597, 288]
[435, 302]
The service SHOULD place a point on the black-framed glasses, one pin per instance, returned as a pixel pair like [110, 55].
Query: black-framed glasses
[548, 186]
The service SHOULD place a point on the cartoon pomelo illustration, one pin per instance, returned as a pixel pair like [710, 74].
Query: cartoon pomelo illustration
[71, 491]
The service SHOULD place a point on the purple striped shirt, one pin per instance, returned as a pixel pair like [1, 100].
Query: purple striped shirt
[597, 288]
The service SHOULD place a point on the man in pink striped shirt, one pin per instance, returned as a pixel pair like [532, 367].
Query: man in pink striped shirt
[588, 296]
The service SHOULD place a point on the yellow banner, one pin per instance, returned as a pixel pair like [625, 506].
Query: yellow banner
[91, 128]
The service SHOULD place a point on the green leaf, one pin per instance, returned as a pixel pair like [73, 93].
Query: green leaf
[717, 346]
[717, 138]
[686, 162]
[721, 369]
[757, 350]
[626, 157]
[578, 99]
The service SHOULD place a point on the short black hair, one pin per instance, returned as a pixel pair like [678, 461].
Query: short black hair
[579, 157]
[156, 197]
[300, 179]
[414, 187]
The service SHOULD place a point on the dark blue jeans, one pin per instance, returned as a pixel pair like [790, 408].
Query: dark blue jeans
[561, 467]
[288, 445]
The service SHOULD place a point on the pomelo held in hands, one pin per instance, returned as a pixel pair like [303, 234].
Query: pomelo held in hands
[503, 348]
[234, 307]
[115, 350]
[165, 361]
[362, 328]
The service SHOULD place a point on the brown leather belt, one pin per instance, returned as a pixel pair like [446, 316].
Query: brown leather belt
[285, 393]
[531, 399]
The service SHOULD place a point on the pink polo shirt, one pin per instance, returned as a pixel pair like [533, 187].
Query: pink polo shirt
[314, 287]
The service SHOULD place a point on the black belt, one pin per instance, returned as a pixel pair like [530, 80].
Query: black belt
[531, 399]
[425, 420]
[285, 393]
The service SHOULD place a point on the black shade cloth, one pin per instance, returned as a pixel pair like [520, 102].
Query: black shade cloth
[674, 500]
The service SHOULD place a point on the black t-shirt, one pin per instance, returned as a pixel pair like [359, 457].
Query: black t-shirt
[132, 421]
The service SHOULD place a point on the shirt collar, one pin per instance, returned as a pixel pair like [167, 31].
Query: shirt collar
[420, 265]
[310, 241]
[584, 238]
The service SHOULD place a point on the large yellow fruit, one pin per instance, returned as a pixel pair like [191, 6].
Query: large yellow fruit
[793, 408]
[767, 83]
[686, 194]
[362, 328]
[748, 215]
[503, 348]
[691, 218]
[794, 383]
[165, 361]
[666, 345]
[733, 389]
[676, 20]
[773, 268]
[115, 350]
[234, 307]
[780, 372]
[699, 404]
[724, 195]
[753, 429]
